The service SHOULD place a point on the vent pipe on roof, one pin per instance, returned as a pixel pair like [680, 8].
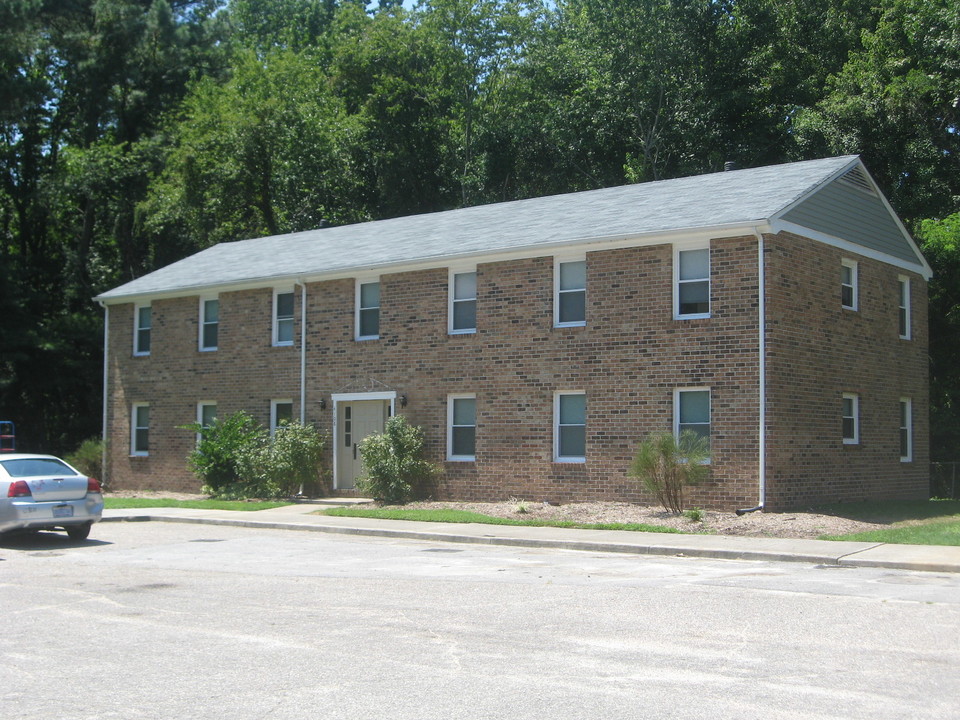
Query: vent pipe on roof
[729, 165]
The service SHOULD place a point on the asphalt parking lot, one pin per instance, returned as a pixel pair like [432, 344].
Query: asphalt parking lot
[161, 620]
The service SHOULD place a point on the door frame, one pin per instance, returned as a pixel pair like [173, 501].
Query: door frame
[337, 398]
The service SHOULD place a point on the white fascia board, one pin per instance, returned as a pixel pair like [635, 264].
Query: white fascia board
[581, 245]
[921, 269]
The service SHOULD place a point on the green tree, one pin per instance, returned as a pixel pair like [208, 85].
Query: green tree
[270, 151]
[941, 246]
[895, 102]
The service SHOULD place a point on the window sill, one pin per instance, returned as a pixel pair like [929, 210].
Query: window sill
[461, 459]
[697, 316]
[365, 338]
[570, 460]
[462, 332]
[570, 325]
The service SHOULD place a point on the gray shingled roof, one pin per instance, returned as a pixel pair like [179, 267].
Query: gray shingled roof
[681, 205]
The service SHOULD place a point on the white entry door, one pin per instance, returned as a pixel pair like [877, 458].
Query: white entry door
[357, 419]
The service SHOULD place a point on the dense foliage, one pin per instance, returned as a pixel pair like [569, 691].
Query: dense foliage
[394, 469]
[135, 132]
[237, 458]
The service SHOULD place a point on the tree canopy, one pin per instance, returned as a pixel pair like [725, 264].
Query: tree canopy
[135, 132]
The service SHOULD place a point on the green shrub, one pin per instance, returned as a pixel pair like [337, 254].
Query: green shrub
[291, 460]
[219, 457]
[88, 458]
[393, 462]
[693, 514]
[666, 465]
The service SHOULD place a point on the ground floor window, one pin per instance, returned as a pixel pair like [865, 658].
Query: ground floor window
[691, 411]
[906, 430]
[461, 427]
[281, 412]
[851, 418]
[140, 429]
[570, 427]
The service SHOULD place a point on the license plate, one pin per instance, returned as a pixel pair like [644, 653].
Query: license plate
[63, 511]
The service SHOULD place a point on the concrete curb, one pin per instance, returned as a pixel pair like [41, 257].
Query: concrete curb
[821, 552]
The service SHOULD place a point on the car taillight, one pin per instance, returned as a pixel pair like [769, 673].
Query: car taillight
[93, 485]
[19, 488]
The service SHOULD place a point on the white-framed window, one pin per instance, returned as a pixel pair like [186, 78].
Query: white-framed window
[206, 414]
[570, 293]
[904, 324]
[283, 317]
[906, 430]
[143, 324]
[848, 284]
[691, 287]
[368, 310]
[570, 427]
[140, 429]
[209, 324]
[281, 412]
[462, 312]
[850, 408]
[461, 427]
[691, 411]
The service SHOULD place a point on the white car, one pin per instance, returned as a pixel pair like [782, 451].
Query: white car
[42, 492]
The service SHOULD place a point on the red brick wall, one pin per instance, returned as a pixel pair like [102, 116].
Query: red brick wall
[628, 359]
[816, 351]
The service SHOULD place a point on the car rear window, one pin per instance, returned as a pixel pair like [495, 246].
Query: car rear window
[35, 467]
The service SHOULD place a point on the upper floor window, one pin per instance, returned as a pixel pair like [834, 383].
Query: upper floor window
[850, 405]
[281, 413]
[463, 302]
[140, 429]
[461, 427]
[209, 324]
[848, 284]
[143, 318]
[691, 411]
[692, 283]
[570, 427]
[906, 430]
[282, 318]
[904, 311]
[570, 297]
[368, 310]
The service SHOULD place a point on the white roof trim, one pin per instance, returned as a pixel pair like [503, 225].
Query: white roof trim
[923, 269]
[855, 248]
[462, 260]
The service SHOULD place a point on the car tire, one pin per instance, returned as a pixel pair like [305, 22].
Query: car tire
[78, 532]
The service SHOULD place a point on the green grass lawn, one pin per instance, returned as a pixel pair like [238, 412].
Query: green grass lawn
[914, 522]
[126, 503]
[462, 516]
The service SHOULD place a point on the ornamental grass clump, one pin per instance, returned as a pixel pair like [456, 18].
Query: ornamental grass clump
[666, 465]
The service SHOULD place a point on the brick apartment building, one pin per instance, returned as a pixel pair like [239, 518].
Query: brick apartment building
[780, 310]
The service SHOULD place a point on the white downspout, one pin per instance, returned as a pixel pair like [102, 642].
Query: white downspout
[303, 351]
[303, 360]
[762, 346]
[761, 378]
[106, 375]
